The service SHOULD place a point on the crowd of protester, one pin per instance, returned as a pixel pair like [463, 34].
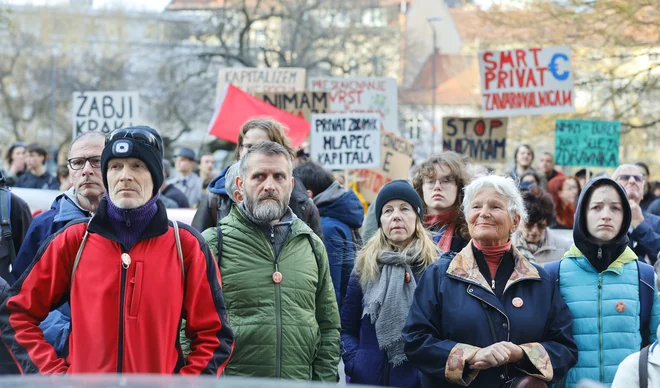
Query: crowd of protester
[457, 277]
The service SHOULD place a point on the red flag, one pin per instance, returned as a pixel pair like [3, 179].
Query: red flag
[236, 107]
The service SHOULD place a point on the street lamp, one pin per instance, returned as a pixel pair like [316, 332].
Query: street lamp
[431, 21]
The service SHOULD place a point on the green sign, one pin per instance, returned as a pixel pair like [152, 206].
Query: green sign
[587, 143]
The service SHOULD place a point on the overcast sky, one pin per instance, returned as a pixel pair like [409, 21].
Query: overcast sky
[152, 5]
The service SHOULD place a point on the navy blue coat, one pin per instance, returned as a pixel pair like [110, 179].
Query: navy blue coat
[339, 217]
[448, 324]
[364, 362]
[645, 238]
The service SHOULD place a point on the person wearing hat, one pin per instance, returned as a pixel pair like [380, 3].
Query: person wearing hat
[130, 276]
[380, 290]
[487, 317]
[186, 180]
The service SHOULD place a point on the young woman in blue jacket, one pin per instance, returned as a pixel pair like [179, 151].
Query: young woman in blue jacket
[603, 284]
[381, 290]
[487, 317]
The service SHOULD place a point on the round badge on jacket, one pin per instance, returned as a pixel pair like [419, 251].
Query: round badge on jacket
[620, 307]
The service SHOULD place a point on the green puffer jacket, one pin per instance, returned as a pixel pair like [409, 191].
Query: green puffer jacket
[287, 330]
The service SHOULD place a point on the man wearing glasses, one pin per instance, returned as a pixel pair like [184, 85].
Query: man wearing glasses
[644, 233]
[130, 276]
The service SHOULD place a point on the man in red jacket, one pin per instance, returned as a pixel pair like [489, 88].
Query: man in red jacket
[128, 277]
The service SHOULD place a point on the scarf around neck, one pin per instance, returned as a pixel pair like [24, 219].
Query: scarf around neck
[387, 300]
[493, 255]
[443, 222]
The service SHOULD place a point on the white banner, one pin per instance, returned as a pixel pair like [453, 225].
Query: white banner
[104, 111]
[529, 81]
[360, 95]
[346, 141]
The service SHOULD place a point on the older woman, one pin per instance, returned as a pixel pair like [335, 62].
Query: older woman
[565, 191]
[439, 182]
[533, 238]
[381, 289]
[608, 290]
[487, 317]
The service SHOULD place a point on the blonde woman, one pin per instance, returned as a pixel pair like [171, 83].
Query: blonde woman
[381, 290]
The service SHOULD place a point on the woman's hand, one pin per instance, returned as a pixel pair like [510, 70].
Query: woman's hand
[496, 355]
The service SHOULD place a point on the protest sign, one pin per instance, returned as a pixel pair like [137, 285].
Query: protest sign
[301, 104]
[527, 81]
[483, 140]
[397, 156]
[346, 141]
[104, 111]
[587, 143]
[269, 80]
[359, 95]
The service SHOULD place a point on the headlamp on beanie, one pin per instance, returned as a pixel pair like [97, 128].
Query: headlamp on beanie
[139, 142]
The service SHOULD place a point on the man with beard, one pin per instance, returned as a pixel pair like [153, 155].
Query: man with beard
[275, 276]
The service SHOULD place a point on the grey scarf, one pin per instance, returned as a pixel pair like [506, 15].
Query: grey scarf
[387, 301]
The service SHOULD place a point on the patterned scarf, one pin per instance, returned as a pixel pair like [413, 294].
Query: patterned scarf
[387, 300]
[533, 247]
[442, 221]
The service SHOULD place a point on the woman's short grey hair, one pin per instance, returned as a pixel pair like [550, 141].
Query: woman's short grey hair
[503, 185]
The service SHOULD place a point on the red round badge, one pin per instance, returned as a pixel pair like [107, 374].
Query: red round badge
[407, 277]
[517, 302]
[620, 307]
[277, 277]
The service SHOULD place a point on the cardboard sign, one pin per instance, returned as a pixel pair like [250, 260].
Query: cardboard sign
[268, 80]
[104, 111]
[359, 95]
[301, 104]
[528, 81]
[587, 143]
[346, 141]
[397, 156]
[483, 140]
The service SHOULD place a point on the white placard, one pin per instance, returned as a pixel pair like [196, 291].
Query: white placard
[346, 140]
[527, 81]
[104, 111]
[360, 95]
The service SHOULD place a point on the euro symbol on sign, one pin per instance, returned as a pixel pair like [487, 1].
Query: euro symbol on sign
[553, 67]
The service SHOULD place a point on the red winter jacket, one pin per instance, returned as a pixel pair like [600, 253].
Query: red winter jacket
[122, 320]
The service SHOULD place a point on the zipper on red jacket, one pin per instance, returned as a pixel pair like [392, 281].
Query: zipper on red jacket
[120, 345]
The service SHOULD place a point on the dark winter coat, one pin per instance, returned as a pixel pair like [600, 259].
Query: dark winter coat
[451, 315]
[364, 361]
[341, 215]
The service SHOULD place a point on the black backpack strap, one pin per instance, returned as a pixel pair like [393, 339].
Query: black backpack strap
[5, 222]
[646, 297]
[644, 367]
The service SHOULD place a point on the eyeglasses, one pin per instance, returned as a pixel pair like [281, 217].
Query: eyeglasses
[445, 183]
[79, 163]
[626, 178]
[140, 135]
[542, 225]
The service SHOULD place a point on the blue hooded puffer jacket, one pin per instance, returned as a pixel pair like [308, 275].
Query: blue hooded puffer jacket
[601, 285]
[341, 213]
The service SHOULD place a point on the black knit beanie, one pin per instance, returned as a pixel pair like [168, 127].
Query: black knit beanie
[123, 145]
[398, 189]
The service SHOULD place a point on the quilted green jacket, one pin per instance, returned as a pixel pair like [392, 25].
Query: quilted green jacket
[287, 330]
